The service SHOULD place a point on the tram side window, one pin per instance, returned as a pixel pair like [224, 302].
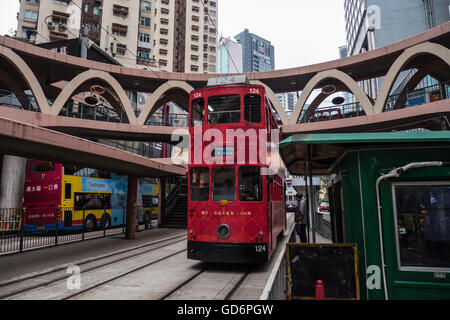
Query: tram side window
[224, 109]
[423, 225]
[252, 108]
[199, 184]
[198, 112]
[250, 184]
[224, 184]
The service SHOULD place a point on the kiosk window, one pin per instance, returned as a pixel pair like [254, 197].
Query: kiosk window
[250, 184]
[199, 184]
[224, 109]
[224, 184]
[252, 108]
[423, 224]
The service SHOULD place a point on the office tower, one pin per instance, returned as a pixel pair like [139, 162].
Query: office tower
[258, 53]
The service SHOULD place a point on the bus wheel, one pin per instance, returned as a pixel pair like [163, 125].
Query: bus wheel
[90, 224]
[106, 221]
[147, 220]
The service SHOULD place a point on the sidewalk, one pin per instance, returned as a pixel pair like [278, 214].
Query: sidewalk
[319, 238]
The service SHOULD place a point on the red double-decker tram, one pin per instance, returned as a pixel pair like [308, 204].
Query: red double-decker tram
[236, 207]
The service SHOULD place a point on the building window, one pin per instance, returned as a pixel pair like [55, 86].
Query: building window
[145, 21]
[144, 37]
[31, 15]
[97, 11]
[146, 6]
[120, 11]
[63, 2]
[143, 54]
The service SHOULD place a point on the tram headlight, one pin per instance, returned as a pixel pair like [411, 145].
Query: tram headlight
[223, 231]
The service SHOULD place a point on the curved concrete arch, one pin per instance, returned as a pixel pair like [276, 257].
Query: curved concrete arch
[22, 67]
[76, 82]
[424, 48]
[351, 84]
[275, 101]
[151, 104]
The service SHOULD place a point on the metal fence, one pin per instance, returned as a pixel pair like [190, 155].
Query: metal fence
[22, 229]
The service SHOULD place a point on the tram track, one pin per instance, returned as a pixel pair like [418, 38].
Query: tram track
[21, 285]
[228, 283]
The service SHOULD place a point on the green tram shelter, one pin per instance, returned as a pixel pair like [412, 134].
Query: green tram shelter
[389, 194]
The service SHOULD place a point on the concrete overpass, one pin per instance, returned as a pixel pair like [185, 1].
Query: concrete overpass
[26, 67]
[25, 140]
[90, 128]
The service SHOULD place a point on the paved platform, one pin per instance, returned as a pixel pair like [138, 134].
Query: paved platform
[36, 260]
[260, 283]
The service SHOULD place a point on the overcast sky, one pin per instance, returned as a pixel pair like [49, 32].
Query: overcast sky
[303, 31]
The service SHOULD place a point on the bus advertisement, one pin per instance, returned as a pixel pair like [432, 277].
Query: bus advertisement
[81, 196]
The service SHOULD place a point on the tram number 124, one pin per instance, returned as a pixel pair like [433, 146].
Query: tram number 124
[260, 248]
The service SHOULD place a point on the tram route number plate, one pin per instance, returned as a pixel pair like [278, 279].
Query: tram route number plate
[260, 248]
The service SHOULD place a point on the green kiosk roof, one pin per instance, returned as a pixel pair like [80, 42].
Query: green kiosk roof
[327, 147]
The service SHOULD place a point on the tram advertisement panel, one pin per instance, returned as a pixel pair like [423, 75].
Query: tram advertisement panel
[336, 265]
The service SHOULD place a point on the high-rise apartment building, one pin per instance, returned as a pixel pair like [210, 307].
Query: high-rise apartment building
[258, 53]
[288, 101]
[169, 35]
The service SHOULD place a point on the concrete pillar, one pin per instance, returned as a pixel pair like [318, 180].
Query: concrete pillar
[162, 201]
[130, 228]
[12, 182]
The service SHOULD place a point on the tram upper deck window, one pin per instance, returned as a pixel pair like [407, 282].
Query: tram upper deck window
[250, 183]
[423, 224]
[252, 108]
[224, 109]
[199, 184]
[198, 112]
[224, 184]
